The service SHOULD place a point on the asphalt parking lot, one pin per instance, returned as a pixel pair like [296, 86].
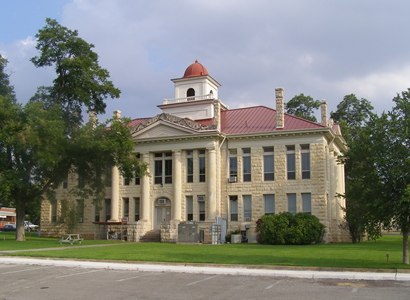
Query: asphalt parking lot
[56, 282]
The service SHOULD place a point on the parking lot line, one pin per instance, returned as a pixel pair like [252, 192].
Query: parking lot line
[129, 278]
[198, 281]
[80, 273]
[272, 285]
[25, 270]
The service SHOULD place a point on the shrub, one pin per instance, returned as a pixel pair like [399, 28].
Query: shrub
[286, 228]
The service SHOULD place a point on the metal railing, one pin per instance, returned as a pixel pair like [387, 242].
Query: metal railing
[187, 99]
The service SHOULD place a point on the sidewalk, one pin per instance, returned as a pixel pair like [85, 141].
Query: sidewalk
[224, 270]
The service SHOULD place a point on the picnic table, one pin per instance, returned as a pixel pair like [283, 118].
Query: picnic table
[71, 238]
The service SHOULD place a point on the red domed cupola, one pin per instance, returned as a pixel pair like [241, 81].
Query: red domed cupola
[195, 69]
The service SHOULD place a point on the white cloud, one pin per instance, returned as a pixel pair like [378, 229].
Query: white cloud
[379, 87]
[325, 51]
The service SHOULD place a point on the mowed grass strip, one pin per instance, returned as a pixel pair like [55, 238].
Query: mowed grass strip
[384, 253]
[33, 241]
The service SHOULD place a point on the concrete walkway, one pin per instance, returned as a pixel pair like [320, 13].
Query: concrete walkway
[203, 269]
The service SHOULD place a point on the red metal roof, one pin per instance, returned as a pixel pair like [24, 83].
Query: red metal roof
[256, 119]
[260, 119]
[136, 122]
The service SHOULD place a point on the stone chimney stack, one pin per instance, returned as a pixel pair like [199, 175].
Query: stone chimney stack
[323, 113]
[92, 118]
[280, 108]
[217, 115]
[117, 114]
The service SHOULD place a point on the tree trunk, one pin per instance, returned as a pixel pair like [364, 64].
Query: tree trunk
[20, 215]
[406, 247]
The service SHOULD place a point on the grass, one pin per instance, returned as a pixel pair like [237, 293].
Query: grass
[33, 241]
[369, 255]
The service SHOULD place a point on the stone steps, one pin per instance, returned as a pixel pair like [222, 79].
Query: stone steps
[152, 236]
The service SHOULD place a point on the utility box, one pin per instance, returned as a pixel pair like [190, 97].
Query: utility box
[236, 238]
[188, 233]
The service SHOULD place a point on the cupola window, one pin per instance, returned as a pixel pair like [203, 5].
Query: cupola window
[190, 94]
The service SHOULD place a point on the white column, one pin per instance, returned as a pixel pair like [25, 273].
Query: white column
[177, 184]
[145, 193]
[131, 211]
[115, 193]
[211, 213]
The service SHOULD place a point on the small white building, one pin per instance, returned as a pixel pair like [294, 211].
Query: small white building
[210, 164]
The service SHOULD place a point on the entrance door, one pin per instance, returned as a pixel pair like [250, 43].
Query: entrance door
[162, 212]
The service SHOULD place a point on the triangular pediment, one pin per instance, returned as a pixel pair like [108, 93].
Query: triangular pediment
[160, 130]
[166, 125]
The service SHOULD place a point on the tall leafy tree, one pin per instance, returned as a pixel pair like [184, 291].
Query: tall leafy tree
[353, 115]
[48, 137]
[9, 113]
[303, 106]
[380, 162]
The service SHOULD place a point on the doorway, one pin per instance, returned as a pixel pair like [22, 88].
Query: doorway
[162, 212]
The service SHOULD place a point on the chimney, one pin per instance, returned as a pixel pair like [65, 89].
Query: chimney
[323, 113]
[117, 114]
[92, 118]
[280, 108]
[217, 115]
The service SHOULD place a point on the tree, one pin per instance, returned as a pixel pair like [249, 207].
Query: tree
[381, 169]
[47, 138]
[302, 106]
[9, 113]
[353, 115]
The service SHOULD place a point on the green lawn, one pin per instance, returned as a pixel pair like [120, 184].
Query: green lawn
[33, 241]
[371, 254]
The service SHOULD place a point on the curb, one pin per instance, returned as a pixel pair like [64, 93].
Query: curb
[215, 270]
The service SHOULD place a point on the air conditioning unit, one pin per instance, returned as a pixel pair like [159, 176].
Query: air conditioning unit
[232, 179]
[162, 201]
[248, 219]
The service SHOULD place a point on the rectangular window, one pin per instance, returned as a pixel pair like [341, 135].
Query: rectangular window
[96, 213]
[307, 203]
[126, 181]
[80, 210]
[305, 153]
[292, 203]
[189, 167]
[246, 164]
[137, 179]
[268, 164]
[290, 162]
[158, 169]
[163, 168]
[189, 208]
[233, 165]
[53, 210]
[137, 209]
[201, 207]
[202, 167]
[107, 209]
[233, 208]
[125, 207]
[269, 202]
[247, 208]
[168, 167]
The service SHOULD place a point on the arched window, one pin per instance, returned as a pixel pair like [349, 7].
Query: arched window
[190, 94]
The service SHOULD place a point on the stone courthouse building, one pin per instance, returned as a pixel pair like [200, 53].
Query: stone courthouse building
[209, 164]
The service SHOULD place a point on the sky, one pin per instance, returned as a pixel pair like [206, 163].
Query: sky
[322, 48]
